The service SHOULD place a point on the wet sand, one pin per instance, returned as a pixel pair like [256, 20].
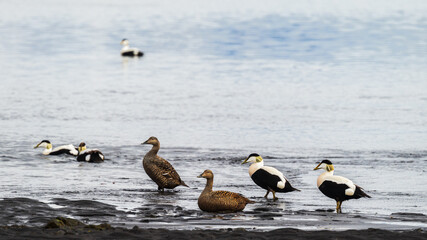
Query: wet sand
[24, 218]
[22, 232]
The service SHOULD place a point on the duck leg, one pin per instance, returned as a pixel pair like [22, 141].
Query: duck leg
[160, 189]
[274, 195]
[268, 191]
[339, 206]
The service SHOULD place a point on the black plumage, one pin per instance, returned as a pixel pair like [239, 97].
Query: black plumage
[337, 191]
[132, 54]
[62, 151]
[94, 156]
[336, 187]
[269, 181]
[89, 155]
[268, 178]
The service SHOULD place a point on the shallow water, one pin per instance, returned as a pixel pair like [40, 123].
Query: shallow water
[295, 82]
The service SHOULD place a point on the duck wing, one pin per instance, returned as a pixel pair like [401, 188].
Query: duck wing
[222, 201]
[229, 198]
[339, 185]
[67, 149]
[165, 169]
[91, 155]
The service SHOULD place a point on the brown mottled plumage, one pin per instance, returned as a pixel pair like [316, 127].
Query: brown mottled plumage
[219, 201]
[158, 169]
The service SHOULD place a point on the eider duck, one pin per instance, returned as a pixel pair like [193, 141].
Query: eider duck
[266, 177]
[128, 51]
[337, 187]
[67, 149]
[160, 170]
[89, 155]
[219, 201]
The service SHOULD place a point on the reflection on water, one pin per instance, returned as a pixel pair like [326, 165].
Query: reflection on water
[294, 82]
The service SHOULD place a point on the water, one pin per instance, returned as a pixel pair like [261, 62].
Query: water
[294, 82]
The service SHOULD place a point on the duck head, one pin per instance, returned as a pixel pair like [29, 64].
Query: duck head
[253, 158]
[82, 147]
[124, 42]
[208, 174]
[45, 143]
[326, 165]
[152, 141]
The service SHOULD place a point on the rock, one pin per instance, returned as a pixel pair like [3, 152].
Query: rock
[68, 224]
[62, 222]
[100, 227]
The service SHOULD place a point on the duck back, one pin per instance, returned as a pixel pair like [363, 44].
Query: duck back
[222, 201]
[161, 172]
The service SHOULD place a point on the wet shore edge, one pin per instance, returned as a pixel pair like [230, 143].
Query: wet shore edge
[68, 228]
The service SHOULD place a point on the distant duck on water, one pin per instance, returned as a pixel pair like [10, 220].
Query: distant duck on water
[219, 201]
[128, 51]
[337, 187]
[160, 170]
[89, 155]
[64, 149]
[266, 177]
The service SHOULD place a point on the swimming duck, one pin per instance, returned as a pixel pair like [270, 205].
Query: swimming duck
[337, 187]
[89, 155]
[128, 51]
[160, 170]
[219, 201]
[67, 149]
[266, 177]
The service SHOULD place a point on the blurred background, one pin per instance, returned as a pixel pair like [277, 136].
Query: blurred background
[306, 74]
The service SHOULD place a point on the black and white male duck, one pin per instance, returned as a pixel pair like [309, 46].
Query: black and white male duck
[128, 51]
[89, 155]
[64, 149]
[267, 177]
[336, 187]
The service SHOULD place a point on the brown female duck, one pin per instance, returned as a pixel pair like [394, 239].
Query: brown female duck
[158, 169]
[219, 201]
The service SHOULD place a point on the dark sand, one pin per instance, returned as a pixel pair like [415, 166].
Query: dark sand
[21, 232]
[24, 218]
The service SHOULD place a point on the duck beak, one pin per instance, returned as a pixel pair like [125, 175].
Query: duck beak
[37, 145]
[317, 167]
[200, 176]
[144, 142]
[245, 161]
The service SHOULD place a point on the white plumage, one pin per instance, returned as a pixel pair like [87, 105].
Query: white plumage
[64, 149]
[128, 51]
[267, 177]
[336, 187]
[328, 176]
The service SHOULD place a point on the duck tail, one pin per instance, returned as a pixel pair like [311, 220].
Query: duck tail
[291, 189]
[182, 183]
[360, 193]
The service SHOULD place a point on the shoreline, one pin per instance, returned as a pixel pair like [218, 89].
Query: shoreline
[105, 231]
[34, 213]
